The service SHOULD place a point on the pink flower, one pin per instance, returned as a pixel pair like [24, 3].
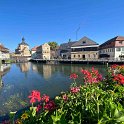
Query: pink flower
[35, 95]
[65, 97]
[75, 89]
[73, 76]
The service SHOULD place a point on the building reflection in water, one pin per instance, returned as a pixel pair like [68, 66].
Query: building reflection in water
[43, 69]
[6, 69]
[47, 71]
[34, 68]
[25, 67]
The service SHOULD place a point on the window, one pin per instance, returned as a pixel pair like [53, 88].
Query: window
[83, 42]
[121, 42]
[118, 49]
[74, 56]
[122, 48]
[78, 56]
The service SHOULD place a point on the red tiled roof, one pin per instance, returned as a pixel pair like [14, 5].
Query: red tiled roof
[120, 38]
[3, 49]
[34, 48]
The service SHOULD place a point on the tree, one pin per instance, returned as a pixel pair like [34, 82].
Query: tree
[53, 45]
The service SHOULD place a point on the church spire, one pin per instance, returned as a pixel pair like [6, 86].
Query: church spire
[23, 39]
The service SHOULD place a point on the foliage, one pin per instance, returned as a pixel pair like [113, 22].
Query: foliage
[98, 101]
[53, 45]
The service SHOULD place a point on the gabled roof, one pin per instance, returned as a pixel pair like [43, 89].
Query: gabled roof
[117, 38]
[85, 41]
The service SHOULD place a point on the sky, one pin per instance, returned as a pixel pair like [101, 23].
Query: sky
[41, 21]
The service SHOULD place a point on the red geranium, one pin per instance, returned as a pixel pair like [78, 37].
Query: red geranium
[91, 77]
[119, 78]
[35, 95]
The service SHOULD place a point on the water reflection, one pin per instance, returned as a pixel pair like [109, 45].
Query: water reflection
[25, 77]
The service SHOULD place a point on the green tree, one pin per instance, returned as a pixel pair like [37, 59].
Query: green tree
[53, 45]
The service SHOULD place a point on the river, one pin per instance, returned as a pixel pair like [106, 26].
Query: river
[21, 78]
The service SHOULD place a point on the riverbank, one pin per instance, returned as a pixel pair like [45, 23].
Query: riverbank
[73, 61]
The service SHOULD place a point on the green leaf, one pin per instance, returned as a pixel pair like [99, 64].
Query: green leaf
[121, 119]
[116, 113]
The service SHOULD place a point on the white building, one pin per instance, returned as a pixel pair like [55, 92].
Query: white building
[84, 49]
[112, 49]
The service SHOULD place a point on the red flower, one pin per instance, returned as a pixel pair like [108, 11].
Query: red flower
[73, 76]
[35, 95]
[91, 77]
[114, 66]
[45, 98]
[119, 78]
[50, 105]
[75, 89]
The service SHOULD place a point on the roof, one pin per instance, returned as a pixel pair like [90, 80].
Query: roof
[3, 49]
[67, 45]
[34, 48]
[85, 41]
[117, 38]
[23, 42]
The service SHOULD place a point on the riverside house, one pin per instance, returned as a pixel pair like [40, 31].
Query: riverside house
[83, 49]
[65, 50]
[4, 53]
[33, 52]
[43, 52]
[23, 49]
[112, 49]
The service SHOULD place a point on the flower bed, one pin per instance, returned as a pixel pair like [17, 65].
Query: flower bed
[97, 101]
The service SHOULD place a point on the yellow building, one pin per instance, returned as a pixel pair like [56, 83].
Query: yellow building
[43, 52]
[23, 49]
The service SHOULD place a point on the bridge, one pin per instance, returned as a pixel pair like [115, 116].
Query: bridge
[80, 61]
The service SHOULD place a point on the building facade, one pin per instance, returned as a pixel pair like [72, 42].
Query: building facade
[33, 52]
[4, 53]
[84, 49]
[43, 52]
[23, 49]
[65, 50]
[112, 49]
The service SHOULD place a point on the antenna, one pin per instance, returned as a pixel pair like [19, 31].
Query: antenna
[77, 32]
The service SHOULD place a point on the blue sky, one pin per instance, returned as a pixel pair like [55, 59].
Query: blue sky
[40, 21]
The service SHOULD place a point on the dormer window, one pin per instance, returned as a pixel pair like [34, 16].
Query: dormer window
[121, 42]
[83, 42]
